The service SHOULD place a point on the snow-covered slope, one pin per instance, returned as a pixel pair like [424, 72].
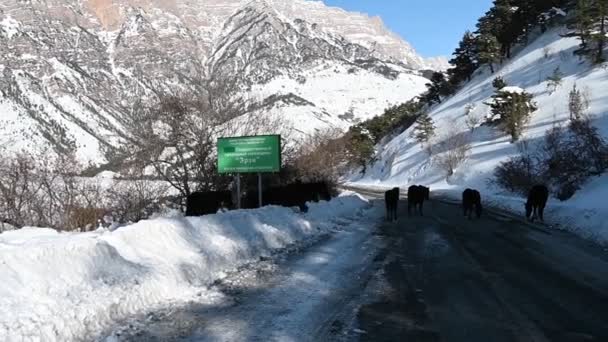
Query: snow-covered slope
[72, 286]
[71, 70]
[402, 162]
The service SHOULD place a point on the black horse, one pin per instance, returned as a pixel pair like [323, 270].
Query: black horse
[205, 203]
[537, 200]
[391, 197]
[416, 195]
[471, 198]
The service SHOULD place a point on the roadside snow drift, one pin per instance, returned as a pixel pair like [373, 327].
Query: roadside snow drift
[402, 162]
[60, 286]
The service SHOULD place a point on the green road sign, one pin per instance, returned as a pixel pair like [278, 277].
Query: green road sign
[249, 154]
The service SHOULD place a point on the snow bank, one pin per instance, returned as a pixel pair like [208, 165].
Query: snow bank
[402, 162]
[66, 286]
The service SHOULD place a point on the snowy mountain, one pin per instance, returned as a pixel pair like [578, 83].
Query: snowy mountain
[440, 63]
[72, 70]
[403, 162]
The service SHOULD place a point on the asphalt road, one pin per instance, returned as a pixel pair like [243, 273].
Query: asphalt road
[311, 293]
[440, 277]
[492, 279]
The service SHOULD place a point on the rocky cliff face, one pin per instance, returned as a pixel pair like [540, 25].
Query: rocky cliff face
[71, 70]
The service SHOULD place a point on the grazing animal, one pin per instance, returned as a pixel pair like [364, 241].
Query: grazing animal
[416, 195]
[471, 198]
[205, 203]
[537, 199]
[391, 198]
[291, 195]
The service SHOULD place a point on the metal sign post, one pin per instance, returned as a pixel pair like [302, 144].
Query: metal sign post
[260, 189]
[238, 191]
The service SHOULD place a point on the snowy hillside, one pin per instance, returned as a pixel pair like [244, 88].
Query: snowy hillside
[402, 162]
[72, 71]
[341, 96]
[73, 287]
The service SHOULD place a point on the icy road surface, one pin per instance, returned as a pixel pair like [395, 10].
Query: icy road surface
[309, 294]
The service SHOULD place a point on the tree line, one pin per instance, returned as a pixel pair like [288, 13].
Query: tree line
[507, 23]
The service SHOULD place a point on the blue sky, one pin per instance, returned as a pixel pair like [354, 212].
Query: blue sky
[433, 27]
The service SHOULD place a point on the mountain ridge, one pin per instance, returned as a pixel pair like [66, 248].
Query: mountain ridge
[68, 83]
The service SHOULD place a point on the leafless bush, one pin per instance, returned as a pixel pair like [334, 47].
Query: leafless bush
[566, 159]
[472, 120]
[176, 136]
[321, 157]
[47, 191]
[43, 191]
[86, 218]
[519, 173]
[136, 199]
[18, 188]
[456, 148]
[587, 93]
[577, 104]
[589, 144]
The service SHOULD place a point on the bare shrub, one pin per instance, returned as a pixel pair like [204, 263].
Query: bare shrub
[456, 148]
[85, 218]
[554, 81]
[565, 169]
[587, 93]
[472, 120]
[41, 191]
[566, 159]
[18, 190]
[136, 199]
[519, 173]
[576, 104]
[589, 144]
[176, 136]
[321, 157]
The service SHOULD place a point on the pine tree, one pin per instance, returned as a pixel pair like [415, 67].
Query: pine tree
[438, 87]
[425, 129]
[525, 17]
[582, 23]
[511, 110]
[498, 22]
[599, 14]
[465, 59]
[488, 50]
[499, 83]
[360, 146]
[589, 25]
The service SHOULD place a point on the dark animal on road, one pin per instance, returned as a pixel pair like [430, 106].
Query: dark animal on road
[205, 203]
[471, 198]
[416, 195]
[292, 195]
[537, 199]
[391, 197]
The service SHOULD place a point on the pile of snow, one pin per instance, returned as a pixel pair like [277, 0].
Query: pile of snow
[403, 162]
[9, 26]
[65, 286]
